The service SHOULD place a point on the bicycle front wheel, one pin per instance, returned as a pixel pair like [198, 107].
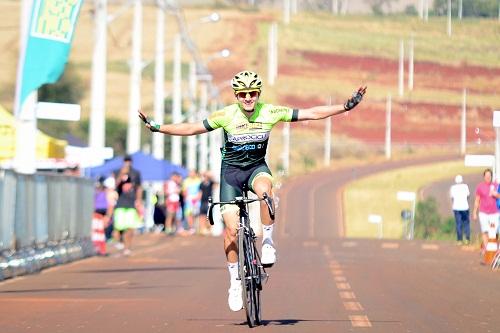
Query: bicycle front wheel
[250, 293]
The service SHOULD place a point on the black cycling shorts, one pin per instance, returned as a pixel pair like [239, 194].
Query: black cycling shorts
[233, 178]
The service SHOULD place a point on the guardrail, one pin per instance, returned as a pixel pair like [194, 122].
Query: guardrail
[45, 220]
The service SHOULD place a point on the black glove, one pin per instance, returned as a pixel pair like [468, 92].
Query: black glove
[355, 99]
[153, 126]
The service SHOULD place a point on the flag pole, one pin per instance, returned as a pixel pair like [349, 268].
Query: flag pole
[26, 127]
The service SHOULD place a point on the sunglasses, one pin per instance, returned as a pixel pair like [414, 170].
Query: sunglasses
[243, 94]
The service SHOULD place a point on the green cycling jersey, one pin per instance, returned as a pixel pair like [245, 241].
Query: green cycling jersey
[246, 138]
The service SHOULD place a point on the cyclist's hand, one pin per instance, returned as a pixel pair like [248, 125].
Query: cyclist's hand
[151, 124]
[357, 96]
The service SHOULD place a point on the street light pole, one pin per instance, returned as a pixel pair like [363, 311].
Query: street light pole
[97, 125]
[203, 158]
[159, 98]
[134, 129]
[191, 155]
[388, 111]
[328, 138]
[215, 144]
[176, 152]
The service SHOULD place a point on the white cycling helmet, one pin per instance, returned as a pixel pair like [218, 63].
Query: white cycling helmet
[246, 81]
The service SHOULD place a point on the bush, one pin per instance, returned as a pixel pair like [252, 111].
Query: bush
[471, 8]
[427, 218]
[429, 224]
[410, 10]
[68, 89]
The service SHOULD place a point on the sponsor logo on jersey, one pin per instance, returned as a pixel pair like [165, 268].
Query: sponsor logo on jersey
[280, 110]
[248, 137]
[250, 126]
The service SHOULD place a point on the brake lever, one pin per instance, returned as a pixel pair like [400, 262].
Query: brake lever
[210, 213]
[270, 204]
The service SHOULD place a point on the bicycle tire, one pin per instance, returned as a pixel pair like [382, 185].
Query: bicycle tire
[246, 281]
[257, 283]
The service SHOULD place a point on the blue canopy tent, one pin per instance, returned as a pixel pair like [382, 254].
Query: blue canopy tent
[151, 169]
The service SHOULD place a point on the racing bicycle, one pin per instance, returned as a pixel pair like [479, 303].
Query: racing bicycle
[252, 272]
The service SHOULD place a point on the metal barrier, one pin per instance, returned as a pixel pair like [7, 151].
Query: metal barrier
[45, 220]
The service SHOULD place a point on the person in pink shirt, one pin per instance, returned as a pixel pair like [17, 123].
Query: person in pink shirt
[485, 202]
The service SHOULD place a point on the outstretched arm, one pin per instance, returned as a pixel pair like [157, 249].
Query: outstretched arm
[325, 111]
[184, 129]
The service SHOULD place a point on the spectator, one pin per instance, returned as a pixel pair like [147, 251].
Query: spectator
[172, 202]
[112, 197]
[206, 188]
[459, 194]
[192, 196]
[103, 210]
[126, 217]
[485, 203]
[159, 213]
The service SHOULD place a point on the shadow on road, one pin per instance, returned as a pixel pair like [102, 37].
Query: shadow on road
[148, 269]
[50, 290]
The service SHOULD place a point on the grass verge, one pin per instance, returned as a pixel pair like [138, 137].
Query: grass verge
[376, 194]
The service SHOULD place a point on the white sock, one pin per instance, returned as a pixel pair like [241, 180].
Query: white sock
[267, 233]
[233, 272]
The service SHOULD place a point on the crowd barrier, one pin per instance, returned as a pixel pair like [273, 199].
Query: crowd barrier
[45, 220]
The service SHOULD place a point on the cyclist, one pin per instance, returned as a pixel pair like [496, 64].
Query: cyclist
[247, 125]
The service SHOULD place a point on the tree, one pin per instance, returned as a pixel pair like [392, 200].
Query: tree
[68, 89]
[470, 8]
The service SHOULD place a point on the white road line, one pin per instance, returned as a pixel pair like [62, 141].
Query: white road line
[360, 321]
[347, 295]
[431, 247]
[390, 245]
[353, 306]
[343, 286]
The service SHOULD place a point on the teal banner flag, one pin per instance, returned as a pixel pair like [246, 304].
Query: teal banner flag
[50, 34]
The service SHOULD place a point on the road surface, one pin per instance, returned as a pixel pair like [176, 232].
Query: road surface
[321, 283]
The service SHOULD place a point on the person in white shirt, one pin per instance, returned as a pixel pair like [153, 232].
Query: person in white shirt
[459, 194]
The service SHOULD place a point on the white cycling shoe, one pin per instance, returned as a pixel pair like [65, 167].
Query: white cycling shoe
[235, 298]
[268, 254]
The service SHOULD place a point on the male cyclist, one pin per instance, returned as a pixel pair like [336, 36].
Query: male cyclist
[247, 125]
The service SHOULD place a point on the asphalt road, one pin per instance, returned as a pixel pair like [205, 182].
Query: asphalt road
[321, 283]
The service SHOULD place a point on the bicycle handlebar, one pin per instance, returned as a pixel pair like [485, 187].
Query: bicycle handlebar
[240, 201]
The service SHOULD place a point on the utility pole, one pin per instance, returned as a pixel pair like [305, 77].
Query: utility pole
[286, 11]
[426, 10]
[328, 138]
[463, 127]
[410, 63]
[159, 98]
[191, 140]
[343, 7]
[421, 9]
[335, 7]
[176, 151]
[401, 68]
[134, 129]
[448, 28]
[203, 157]
[388, 111]
[26, 124]
[286, 148]
[97, 125]
[294, 6]
[272, 54]
[215, 144]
